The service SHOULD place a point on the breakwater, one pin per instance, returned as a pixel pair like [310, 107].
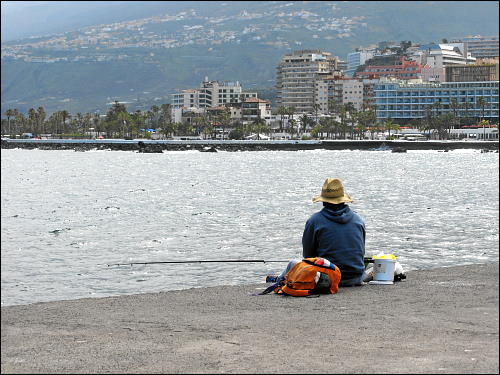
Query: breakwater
[151, 146]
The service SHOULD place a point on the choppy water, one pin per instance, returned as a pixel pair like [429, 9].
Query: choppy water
[66, 215]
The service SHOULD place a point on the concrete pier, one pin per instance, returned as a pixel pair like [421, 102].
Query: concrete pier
[443, 320]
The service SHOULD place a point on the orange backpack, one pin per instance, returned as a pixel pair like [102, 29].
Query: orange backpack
[311, 276]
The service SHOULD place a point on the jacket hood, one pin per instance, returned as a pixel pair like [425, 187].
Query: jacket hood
[342, 216]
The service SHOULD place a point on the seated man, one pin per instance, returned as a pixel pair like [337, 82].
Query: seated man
[335, 233]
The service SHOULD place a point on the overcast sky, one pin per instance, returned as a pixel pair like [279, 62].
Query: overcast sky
[11, 6]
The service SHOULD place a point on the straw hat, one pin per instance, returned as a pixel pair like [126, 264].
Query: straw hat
[333, 192]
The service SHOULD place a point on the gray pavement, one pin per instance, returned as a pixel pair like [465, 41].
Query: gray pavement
[443, 320]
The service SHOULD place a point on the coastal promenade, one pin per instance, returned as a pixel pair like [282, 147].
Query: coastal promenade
[442, 320]
[238, 145]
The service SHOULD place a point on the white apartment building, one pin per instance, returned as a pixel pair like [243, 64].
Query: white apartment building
[297, 74]
[442, 55]
[356, 59]
[254, 108]
[352, 92]
[322, 88]
[211, 94]
[186, 98]
[343, 90]
[481, 46]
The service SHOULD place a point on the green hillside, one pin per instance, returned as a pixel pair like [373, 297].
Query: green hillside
[238, 41]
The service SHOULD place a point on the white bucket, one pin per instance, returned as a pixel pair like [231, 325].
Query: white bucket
[383, 270]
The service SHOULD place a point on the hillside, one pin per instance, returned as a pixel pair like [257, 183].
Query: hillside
[174, 45]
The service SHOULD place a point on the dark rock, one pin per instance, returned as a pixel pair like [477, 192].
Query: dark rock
[399, 149]
[208, 149]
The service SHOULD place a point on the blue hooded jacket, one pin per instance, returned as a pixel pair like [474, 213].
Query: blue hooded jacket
[338, 234]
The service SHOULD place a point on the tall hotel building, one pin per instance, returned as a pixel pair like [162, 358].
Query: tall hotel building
[297, 76]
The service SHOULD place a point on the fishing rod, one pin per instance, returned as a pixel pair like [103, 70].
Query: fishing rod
[204, 261]
[366, 260]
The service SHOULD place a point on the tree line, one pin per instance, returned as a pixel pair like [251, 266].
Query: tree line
[117, 122]
[343, 121]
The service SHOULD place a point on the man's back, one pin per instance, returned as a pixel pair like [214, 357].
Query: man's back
[337, 233]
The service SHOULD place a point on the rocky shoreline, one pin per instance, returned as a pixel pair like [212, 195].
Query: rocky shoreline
[149, 146]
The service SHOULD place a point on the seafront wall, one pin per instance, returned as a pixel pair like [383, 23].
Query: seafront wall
[232, 145]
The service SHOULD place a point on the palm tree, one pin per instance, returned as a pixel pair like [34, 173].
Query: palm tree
[138, 121]
[282, 111]
[259, 126]
[333, 127]
[481, 102]
[290, 113]
[155, 110]
[225, 120]
[171, 128]
[9, 113]
[454, 107]
[184, 128]
[390, 125]
[40, 118]
[323, 126]
[15, 114]
[316, 108]
[166, 119]
[123, 118]
[468, 117]
[78, 123]
[437, 107]
[64, 116]
[351, 111]
[431, 117]
[197, 122]
[96, 122]
[304, 121]
[366, 118]
[32, 119]
[292, 126]
[443, 124]
[341, 110]
[20, 120]
[87, 121]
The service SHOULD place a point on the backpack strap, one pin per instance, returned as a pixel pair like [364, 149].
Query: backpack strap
[269, 289]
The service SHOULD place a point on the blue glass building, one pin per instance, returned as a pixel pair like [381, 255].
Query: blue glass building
[407, 100]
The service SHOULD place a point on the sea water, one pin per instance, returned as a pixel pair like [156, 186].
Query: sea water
[66, 215]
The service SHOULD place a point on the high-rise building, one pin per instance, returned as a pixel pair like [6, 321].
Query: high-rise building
[297, 76]
[481, 46]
